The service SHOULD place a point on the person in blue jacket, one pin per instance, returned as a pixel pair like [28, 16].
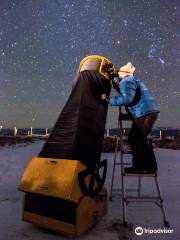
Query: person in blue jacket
[141, 105]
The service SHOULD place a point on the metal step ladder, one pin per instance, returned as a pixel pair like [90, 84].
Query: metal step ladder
[126, 199]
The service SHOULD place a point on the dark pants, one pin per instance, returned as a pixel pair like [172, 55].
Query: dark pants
[142, 150]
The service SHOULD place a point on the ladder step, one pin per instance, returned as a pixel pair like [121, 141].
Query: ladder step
[116, 189]
[125, 117]
[124, 164]
[143, 199]
[127, 190]
[126, 152]
[140, 174]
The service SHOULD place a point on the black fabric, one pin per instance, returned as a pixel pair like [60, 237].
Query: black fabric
[79, 131]
[51, 207]
[142, 150]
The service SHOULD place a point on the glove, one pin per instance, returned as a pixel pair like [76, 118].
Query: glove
[104, 97]
[115, 83]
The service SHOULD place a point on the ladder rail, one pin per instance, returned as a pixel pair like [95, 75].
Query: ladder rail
[114, 164]
[122, 167]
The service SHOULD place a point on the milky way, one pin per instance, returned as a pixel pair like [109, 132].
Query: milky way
[43, 41]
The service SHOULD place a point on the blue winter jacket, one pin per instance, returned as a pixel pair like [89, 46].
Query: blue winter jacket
[128, 88]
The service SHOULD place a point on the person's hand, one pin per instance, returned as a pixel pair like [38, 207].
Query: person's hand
[104, 97]
[115, 84]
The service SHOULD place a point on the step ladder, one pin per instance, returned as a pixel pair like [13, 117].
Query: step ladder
[158, 200]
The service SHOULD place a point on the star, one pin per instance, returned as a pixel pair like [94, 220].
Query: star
[42, 43]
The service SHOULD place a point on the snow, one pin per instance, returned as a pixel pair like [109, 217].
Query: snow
[13, 160]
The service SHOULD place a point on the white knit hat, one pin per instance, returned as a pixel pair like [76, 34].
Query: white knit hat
[128, 68]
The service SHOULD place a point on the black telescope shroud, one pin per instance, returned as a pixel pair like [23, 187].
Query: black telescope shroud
[79, 131]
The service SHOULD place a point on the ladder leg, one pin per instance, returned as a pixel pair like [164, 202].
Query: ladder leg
[139, 186]
[113, 173]
[166, 222]
[124, 202]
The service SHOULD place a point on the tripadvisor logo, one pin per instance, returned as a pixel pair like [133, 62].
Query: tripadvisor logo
[139, 231]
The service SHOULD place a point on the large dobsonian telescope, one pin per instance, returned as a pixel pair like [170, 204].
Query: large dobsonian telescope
[63, 186]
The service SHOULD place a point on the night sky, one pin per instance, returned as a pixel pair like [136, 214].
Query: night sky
[43, 41]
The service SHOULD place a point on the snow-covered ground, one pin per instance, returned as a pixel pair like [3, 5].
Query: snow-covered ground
[13, 160]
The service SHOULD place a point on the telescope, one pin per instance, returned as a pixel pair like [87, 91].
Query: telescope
[64, 190]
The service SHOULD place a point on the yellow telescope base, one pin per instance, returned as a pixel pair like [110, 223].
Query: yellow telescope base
[53, 197]
[87, 213]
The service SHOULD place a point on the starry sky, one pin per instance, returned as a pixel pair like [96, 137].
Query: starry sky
[43, 41]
